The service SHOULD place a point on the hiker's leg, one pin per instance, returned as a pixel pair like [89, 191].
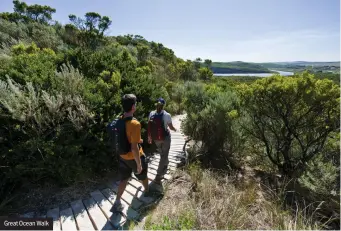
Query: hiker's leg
[121, 187]
[142, 177]
[163, 159]
[145, 184]
[159, 144]
[125, 173]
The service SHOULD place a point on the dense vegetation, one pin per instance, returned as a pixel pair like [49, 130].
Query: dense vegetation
[61, 84]
[286, 126]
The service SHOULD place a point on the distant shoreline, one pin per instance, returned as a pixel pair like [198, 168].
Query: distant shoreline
[283, 73]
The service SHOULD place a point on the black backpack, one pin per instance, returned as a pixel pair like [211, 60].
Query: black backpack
[118, 137]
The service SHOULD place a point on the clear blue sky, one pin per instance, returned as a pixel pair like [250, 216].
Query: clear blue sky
[221, 30]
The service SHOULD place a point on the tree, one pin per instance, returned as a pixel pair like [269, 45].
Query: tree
[208, 63]
[25, 13]
[143, 53]
[205, 73]
[197, 63]
[292, 117]
[39, 13]
[91, 29]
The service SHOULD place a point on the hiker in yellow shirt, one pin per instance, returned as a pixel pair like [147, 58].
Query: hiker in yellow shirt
[133, 158]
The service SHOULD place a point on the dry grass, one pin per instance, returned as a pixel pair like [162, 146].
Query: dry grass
[200, 199]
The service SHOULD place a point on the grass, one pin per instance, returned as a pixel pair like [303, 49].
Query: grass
[201, 199]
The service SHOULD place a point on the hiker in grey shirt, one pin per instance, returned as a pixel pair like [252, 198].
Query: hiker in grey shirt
[158, 124]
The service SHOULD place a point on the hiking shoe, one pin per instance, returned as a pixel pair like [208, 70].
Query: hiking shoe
[117, 207]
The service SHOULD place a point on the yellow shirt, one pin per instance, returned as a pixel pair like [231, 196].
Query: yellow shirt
[133, 130]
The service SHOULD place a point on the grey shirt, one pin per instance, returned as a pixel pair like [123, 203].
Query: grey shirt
[167, 119]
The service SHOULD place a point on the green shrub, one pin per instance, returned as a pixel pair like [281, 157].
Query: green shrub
[213, 119]
[292, 117]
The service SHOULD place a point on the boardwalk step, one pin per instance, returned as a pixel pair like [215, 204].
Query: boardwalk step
[105, 205]
[81, 215]
[128, 198]
[67, 220]
[96, 215]
[54, 213]
[127, 211]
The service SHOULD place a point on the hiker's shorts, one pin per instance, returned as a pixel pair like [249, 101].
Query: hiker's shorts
[127, 167]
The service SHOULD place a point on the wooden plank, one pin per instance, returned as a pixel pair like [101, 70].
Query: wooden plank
[170, 160]
[127, 197]
[97, 217]
[81, 215]
[178, 141]
[113, 186]
[176, 158]
[116, 219]
[166, 176]
[67, 219]
[176, 148]
[138, 188]
[170, 157]
[177, 155]
[54, 213]
[151, 176]
[156, 161]
[155, 166]
[127, 210]
[138, 192]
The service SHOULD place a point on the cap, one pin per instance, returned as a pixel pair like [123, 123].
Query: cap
[161, 101]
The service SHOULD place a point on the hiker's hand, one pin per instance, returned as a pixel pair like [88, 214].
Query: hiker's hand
[149, 140]
[139, 169]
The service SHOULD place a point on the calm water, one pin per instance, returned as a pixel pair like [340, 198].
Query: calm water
[283, 73]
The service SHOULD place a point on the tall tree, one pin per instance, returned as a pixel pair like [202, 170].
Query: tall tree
[90, 29]
[208, 63]
[197, 63]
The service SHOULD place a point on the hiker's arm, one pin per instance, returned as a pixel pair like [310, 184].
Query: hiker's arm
[169, 122]
[135, 150]
[149, 131]
[171, 127]
[135, 140]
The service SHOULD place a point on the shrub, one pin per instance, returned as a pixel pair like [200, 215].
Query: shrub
[292, 117]
[213, 119]
[49, 133]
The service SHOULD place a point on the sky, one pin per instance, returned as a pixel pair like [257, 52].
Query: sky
[220, 30]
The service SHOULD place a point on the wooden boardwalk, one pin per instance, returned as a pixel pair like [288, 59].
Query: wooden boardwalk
[93, 213]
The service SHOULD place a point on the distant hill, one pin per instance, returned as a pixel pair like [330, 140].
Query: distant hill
[237, 67]
[298, 66]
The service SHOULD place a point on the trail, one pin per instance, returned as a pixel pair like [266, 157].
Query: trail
[93, 213]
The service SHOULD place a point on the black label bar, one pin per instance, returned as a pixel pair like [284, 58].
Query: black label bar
[22, 223]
